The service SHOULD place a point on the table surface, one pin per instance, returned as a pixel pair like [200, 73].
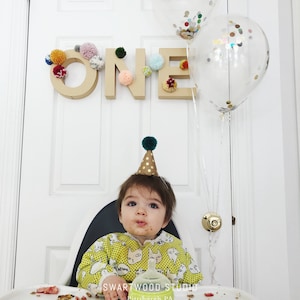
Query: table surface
[184, 293]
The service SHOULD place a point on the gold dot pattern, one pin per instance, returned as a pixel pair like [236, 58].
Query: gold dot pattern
[148, 166]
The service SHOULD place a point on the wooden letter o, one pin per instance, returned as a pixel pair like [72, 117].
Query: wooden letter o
[87, 86]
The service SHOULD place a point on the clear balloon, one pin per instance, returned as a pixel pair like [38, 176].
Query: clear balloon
[229, 59]
[183, 17]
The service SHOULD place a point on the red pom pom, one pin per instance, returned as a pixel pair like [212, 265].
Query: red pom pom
[59, 71]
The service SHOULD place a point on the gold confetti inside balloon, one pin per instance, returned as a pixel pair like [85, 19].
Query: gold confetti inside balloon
[184, 18]
[231, 56]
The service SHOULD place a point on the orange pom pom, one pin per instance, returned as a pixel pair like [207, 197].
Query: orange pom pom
[58, 56]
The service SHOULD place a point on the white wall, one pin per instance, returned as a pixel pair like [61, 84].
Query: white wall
[265, 149]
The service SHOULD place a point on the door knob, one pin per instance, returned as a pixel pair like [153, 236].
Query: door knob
[211, 221]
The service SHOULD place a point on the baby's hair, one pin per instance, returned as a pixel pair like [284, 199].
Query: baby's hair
[154, 183]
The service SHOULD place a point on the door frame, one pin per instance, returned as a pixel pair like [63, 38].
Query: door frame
[15, 15]
[296, 40]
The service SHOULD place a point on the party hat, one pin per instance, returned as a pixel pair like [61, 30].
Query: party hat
[148, 166]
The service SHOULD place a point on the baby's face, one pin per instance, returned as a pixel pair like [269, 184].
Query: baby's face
[142, 213]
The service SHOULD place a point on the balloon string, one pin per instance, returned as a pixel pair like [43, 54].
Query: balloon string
[212, 240]
[216, 196]
[211, 206]
[212, 198]
[221, 153]
[201, 165]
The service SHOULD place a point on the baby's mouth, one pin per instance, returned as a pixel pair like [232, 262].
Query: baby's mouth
[141, 223]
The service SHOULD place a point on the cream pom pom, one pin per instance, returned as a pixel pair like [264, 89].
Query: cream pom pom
[97, 63]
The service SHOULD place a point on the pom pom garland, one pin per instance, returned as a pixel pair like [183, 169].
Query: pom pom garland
[156, 62]
[149, 143]
[77, 48]
[48, 60]
[97, 63]
[169, 85]
[147, 71]
[120, 52]
[125, 77]
[88, 50]
[184, 65]
[57, 56]
[59, 71]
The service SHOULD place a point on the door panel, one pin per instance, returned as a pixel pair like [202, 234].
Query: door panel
[76, 153]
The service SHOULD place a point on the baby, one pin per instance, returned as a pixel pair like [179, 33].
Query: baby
[145, 205]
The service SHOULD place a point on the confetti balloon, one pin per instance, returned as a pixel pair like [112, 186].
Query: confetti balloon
[230, 58]
[182, 17]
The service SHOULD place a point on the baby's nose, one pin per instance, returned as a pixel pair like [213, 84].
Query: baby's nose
[141, 211]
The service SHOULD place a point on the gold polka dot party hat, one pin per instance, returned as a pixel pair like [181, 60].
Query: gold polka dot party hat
[148, 166]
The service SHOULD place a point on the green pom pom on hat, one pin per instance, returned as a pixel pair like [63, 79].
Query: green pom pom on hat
[148, 166]
[149, 143]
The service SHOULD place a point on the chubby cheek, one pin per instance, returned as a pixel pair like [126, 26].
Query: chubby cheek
[124, 218]
[155, 225]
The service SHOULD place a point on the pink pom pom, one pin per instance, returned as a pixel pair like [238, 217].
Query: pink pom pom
[125, 77]
[88, 50]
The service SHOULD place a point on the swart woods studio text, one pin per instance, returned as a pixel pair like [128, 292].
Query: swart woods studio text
[151, 287]
[170, 72]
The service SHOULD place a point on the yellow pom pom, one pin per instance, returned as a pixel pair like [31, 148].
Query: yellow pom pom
[58, 56]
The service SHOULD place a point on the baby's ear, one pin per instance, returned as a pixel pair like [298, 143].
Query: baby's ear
[120, 217]
[165, 223]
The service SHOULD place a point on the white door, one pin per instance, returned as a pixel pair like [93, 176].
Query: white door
[76, 153]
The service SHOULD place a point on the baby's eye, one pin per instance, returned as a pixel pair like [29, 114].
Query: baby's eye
[131, 203]
[153, 205]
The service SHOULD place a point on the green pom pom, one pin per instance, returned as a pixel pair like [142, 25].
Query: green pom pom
[120, 52]
[149, 143]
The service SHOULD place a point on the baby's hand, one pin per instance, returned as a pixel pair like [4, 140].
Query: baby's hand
[115, 287]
